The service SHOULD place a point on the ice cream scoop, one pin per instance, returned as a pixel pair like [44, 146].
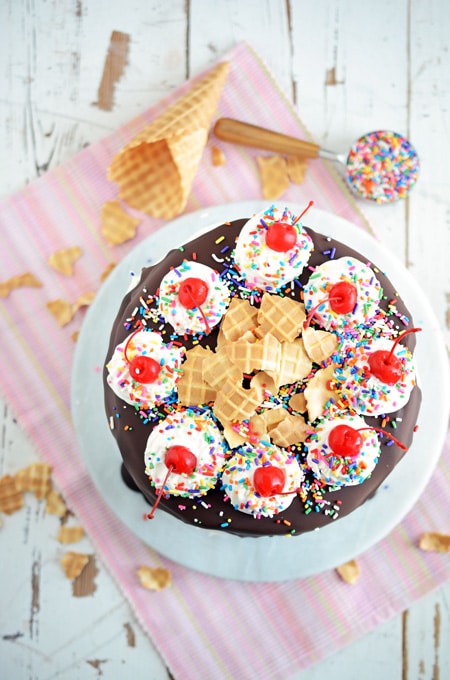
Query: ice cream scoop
[381, 166]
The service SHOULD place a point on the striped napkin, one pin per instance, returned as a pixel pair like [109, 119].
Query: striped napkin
[201, 625]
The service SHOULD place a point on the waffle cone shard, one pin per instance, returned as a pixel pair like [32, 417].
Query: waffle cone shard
[156, 169]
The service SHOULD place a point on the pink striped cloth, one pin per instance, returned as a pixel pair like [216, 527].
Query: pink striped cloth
[202, 626]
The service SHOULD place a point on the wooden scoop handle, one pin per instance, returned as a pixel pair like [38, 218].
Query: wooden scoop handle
[230, 130]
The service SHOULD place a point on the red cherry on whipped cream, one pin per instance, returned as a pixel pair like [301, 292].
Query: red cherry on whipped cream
[192, 292]
[345, 441]
[180, 459]
[281, 237]
[144, 369]
[269, 480]
[385, 365]
[342, 297]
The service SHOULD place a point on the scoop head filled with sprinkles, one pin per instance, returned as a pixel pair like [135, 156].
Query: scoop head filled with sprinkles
[381, 166]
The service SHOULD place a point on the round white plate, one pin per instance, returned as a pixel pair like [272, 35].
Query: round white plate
[273, 558]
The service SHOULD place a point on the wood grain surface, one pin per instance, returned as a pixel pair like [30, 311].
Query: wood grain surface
[72, 71]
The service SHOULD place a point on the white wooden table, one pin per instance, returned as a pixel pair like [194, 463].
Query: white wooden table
[349, 67]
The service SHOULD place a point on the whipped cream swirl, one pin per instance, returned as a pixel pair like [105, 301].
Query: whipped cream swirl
[198, 433]
[198, 319]
[260, 265]
[146, 344]
[238, 479]
[337, 470]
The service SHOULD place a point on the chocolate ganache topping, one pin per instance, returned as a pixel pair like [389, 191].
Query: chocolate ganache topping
[260, 379]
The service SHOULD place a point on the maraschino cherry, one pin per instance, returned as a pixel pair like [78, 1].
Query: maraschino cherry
[385, 365]
[269, 480]
[281, 236]
[192, 292]
[341, 297]
[178, 459]
[346, 442]
[142, 368]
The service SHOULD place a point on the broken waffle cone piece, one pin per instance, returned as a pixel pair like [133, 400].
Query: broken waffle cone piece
[36, 478]
[62, 310]
[296, 168]
[64, 260]
[11, 497]
[216, 368]
[234, 403]
[290, 430]
[260, 355]
[318, 392]
[294, 364]
[55, 504]
[84, 300]
[217, 156]
[154, 578]
[106, 272]
[432, 541]
[155, 171]
[117, 226]
[280, 316]
[26, 280]
[274, 176]
[241, 317]
[298, 402]
[319, 345]
[70, 534]
[73, 564]
[349, 571]
[193, 390]
[273, 416]
[265, 383]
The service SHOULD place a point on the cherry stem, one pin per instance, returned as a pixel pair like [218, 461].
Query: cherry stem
[312, 312]
[160, 493]
[125, 349]
[310, 204]
[188, 289]
[386, 434]
[398, 339]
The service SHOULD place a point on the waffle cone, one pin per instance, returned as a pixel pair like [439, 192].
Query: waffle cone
[156, 169]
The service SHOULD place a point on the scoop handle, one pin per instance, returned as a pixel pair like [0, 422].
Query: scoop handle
[230, 130]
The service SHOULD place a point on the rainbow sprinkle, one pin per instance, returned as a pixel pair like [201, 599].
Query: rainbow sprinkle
[382, 166]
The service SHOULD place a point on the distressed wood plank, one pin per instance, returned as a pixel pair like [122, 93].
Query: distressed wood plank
[51, 62]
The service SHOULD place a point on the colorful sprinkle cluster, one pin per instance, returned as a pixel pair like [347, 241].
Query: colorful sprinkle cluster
[382, 166]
